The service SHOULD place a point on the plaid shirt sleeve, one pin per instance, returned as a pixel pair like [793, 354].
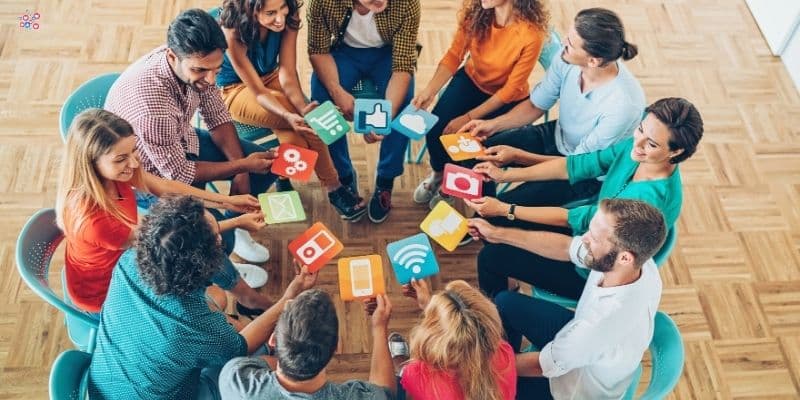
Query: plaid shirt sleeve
[160, 140]
[319, 33]
[212, 108]
[404, 42]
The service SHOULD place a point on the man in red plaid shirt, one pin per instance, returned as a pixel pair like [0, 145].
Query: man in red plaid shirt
[159, 94]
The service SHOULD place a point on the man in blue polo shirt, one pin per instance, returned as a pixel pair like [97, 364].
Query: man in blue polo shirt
[601, 103]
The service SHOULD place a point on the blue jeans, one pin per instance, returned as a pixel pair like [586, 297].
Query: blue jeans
[353, 65]
[259, 183]
[227, 276]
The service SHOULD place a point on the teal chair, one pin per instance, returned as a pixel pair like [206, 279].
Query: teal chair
[91, 94]
[659, 258]
[36, 244]
[68, 375]
[667, 354]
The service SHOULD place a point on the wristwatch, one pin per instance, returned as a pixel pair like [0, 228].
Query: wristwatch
[510, 214]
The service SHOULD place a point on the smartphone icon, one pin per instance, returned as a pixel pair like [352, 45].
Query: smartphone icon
[361, 277]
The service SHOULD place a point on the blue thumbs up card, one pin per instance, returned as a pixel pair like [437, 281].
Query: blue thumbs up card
[412, 257]
[372, 115]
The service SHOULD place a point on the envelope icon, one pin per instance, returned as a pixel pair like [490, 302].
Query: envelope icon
[282, 207]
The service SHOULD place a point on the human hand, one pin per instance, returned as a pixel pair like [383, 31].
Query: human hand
[499, 155]
[251, 222]
[380, 308]
[419, 290]
[372, 137]
[240, 184]
[488, 206]
[297, 123]
[259, 162]
[345, 101]
[241, 203]
[423, 99]
[480, 229]
[479, 128]
[456, 123]
[303, 280]
[490, 171]
[309, 107]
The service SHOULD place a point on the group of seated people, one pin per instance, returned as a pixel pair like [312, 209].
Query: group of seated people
[147, 249]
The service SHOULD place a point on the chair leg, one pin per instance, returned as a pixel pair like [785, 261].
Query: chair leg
[421, 153]
[92, 340]
[408, 153]
[212, 187]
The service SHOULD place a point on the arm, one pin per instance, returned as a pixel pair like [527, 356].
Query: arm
[447, 67]
[554, 246]
[396, 89]
[287, 70]
[528, 364]
[160, 187]
[381, 370]
[237, 53]
[257, 332]
[555, 169]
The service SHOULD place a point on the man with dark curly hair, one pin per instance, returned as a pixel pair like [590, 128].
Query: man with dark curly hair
[158, 339]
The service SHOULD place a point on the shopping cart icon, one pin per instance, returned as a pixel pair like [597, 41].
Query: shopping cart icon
[327, 122]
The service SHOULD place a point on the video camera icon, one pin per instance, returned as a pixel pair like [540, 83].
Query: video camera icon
[372, 115]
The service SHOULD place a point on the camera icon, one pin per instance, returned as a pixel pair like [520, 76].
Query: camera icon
[463, 183]
[292, 156]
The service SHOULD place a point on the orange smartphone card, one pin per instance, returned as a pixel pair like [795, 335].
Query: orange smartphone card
[461, 146]
[294, 162]
[315, 247]
[361, 277]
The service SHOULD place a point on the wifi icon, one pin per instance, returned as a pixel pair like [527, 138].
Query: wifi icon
[412, 257]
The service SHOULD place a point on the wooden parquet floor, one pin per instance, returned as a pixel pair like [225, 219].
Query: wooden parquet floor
[732, 283]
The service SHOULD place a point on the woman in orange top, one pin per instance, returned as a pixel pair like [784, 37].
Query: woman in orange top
[503, 39]
[96, 208]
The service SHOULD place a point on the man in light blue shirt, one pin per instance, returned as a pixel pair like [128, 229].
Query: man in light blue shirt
[601, 103]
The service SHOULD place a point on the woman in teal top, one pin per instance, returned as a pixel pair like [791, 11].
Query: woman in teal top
[260, 87]
[644, 167]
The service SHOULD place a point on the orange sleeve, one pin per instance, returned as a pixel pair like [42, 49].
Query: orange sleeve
[455, 54]
[516, 86]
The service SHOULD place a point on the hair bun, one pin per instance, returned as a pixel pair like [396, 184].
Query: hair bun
[629, 51]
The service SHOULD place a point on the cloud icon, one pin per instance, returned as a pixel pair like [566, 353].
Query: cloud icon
[413, 122]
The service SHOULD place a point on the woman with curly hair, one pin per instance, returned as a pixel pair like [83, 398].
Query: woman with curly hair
[503, 39]
[96, 209]
[457, 351]
[260, 86]
[157, 337]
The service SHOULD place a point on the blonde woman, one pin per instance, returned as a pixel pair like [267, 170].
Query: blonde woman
[457, 351]
[96, 208]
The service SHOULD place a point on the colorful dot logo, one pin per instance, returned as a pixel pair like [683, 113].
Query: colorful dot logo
[29, 21]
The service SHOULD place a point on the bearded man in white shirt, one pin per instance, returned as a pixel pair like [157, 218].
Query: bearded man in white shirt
[594, 351]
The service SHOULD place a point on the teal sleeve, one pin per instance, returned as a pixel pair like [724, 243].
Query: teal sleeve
[592, 165]
[579, 217]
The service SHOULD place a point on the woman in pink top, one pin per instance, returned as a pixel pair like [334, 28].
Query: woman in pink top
[457, 351]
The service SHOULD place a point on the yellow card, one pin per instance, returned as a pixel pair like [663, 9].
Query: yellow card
[461, 146]
[445, 225]
[361, 277]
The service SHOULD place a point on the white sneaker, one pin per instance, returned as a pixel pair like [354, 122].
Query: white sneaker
[439, 196]
[426, 189]
[248, 249]
[253, 276]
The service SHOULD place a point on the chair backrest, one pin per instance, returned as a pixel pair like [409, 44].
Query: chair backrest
[667, 353]
[36, 244]
[67, 376]
[91, 94]
[663, 253]
[550, 49]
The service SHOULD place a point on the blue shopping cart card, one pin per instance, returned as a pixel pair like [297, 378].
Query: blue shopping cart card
[414, 123]
[412, 257]
[372, 116]
[327, 122]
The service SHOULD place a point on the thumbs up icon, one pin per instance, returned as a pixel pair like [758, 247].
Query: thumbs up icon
[372, 116]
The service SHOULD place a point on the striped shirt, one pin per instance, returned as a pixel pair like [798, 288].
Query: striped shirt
[160, 107]
[398, 25]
